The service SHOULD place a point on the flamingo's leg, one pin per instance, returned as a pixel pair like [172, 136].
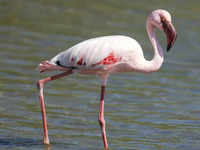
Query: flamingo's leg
[40, 85]
[101, 117]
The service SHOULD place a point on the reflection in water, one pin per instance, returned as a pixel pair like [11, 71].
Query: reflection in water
[158, 111]
[47, 147]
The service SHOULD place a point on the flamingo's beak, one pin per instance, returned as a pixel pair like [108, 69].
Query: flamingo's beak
[170, 33]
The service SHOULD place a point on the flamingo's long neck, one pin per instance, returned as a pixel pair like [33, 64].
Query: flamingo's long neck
[154, 64]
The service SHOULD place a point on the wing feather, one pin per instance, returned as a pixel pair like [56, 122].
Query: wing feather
[93, 51]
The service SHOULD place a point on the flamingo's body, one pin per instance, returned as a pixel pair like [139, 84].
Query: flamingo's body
[104, 54]
[109, 54]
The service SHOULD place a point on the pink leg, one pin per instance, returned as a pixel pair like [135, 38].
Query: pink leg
[101, 118]
[40, 85]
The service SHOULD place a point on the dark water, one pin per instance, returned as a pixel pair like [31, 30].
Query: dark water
[143, 112]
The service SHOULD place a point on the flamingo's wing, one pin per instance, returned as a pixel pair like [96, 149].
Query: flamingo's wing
[97, 52]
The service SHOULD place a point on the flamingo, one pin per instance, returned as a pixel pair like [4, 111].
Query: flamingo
[106, 55]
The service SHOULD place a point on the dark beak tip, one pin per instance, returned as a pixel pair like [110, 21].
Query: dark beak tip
[171, 43]
[168, 47]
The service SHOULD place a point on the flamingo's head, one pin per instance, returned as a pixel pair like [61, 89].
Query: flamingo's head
[162, 20]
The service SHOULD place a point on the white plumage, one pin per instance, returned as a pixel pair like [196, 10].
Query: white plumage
[96, 50]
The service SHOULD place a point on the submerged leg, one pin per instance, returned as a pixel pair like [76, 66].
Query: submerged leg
[101, 117]
[40, 85]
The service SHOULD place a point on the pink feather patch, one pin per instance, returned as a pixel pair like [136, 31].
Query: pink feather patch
[80, 62]
[110, 59]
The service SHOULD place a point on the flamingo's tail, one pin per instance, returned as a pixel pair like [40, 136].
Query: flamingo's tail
[47, 66]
